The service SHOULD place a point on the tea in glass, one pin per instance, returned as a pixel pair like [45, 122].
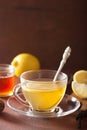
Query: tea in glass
[44, 96]
[40, 91]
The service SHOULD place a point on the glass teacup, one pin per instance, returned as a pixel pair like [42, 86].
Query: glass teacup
[40, 91]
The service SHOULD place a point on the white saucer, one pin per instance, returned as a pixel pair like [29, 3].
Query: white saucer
[67, 106]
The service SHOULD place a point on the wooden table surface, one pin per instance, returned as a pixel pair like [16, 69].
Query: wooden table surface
[11, 120]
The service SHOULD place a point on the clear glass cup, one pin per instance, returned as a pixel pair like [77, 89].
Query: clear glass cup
[6, 80]
[40, 91]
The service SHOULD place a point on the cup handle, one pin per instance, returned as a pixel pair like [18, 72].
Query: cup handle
[17, 92]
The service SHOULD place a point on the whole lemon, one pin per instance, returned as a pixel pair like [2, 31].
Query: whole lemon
[24, 62]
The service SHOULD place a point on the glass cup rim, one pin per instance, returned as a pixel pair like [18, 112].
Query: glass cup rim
[43, 70]
[6, 67]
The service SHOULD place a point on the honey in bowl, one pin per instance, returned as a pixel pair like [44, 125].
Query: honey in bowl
[6, 80]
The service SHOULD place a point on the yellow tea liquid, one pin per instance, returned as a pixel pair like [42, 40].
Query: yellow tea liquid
[44, 97]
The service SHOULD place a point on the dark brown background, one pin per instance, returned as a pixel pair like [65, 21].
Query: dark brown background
[44, 28]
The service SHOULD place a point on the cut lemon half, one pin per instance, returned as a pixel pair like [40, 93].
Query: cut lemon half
[79, 89]
[80, 76]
